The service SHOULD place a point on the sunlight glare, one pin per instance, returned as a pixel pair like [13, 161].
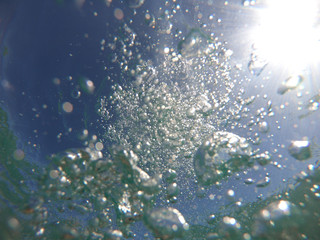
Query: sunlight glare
[288, 34]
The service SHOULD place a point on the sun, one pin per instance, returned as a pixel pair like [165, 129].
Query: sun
[288, 33]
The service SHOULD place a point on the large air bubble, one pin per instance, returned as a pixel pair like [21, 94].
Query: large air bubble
[220, 155]
[279, 220]
[166, 223]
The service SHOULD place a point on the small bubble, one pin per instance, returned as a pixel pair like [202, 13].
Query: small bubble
[99, 146]
[211, 219]
[54, 174]
[150, 20]
[201, 192]
[56, 81]
[172, 190]
[118, 14]
[246, 236]
[13, 223]
[67, 107]
[230, 193]
[18, 154]
[249, 181]
[247, 3]
[191, 112]
[263, 182]
[40, 232]
[263, 127]
[75, 94]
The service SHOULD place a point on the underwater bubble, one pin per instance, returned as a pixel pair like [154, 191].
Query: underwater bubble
[290, 83]
[67, 107]
[262, 158]
[230, 195]
[247, 3]
[203, 105]
[280, 218]
[87, 85]
[212, 219]
[114, 235]
[76, 93]
[118, 14]
[173, 190]
[249, 181]
[195, 44]
[263, 182]
[201, 192]
[300, 150]
[229, 228]
[263, 127]
[163, 25]
[18, 154]
[135, 3]
[249, 100]
[150, 20]
[311, 106]
[220, 155]
[166, 223]
[257, 64]
[170, 175]
[191, 112]
[147, 184]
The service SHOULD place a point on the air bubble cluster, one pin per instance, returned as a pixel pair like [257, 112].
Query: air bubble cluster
[221, 155]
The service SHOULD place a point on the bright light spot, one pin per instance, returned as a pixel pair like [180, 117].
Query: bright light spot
[287, 33]
[284, 206]
[89, 86]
